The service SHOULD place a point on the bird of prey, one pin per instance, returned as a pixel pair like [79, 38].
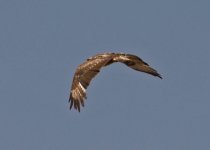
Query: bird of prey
[91, 67]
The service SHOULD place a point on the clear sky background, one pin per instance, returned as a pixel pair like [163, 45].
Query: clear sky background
[43, 41]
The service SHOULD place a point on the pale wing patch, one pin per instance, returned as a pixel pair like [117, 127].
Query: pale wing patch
[83, 89]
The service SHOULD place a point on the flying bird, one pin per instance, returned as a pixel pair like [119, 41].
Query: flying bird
[86, 71]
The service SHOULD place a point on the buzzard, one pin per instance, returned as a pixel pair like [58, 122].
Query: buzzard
[91, 67]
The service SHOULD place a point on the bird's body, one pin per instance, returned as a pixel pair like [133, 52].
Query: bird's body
[90, 68]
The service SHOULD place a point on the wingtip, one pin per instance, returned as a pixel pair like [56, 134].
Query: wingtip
[71, 104]
[160, 76]
[75, 104]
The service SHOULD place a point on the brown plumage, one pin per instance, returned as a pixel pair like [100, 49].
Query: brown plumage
[90, 68]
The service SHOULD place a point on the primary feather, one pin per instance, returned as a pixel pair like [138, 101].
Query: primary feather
[90, 68]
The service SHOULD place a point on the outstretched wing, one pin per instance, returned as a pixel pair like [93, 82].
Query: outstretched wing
[83, 76]
[136, 63]
[89, 69]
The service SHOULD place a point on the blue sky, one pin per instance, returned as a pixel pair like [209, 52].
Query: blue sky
[43, 41]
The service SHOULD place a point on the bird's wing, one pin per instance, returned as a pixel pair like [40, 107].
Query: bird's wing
[83, 76]
[136, 63]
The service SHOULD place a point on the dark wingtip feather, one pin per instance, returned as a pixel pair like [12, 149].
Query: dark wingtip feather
[77, 105]
[70, 101]
[74, 103]
[160, 76]
[157, 74]
[71, 104]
